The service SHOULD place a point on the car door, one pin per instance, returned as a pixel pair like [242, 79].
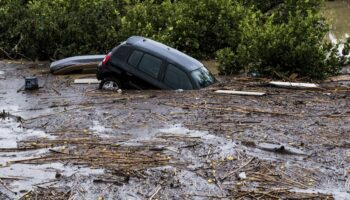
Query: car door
[176, 78]
[147, 70]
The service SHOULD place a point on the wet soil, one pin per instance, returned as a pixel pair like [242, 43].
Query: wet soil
[69, 141]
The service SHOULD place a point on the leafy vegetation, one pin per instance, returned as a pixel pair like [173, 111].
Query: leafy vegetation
[269, 37]
[196, 27]
[289, 39]
[271, 45]
[54, 29]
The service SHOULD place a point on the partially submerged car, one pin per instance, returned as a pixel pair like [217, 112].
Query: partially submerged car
[146, 64]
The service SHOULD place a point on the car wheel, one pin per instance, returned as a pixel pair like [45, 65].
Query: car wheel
[111, 84]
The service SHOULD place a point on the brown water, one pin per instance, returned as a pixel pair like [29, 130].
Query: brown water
[338, 13]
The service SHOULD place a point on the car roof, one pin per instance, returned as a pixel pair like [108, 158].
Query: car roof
[186, 62]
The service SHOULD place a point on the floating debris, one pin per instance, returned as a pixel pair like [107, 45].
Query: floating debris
[233, 92]
[76, 64]
[86, 81]
[293, 85]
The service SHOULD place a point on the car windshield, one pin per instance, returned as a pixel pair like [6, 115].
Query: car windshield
[203, 77]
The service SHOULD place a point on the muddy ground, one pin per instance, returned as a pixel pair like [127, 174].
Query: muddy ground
[69, 141]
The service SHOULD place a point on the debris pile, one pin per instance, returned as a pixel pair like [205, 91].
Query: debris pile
[96, 153]
[47, 194]
[266, 193]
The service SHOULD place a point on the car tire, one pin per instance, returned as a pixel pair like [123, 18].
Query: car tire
[109, 83]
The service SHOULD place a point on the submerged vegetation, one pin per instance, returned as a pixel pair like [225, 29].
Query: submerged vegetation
[273, 38]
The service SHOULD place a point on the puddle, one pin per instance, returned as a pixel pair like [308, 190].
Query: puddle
[25, 176]
[12, 132]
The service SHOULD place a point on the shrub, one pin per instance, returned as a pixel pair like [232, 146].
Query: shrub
[11, 13]
[229, 63]
[196, 27]
[272, 37]
[62, 28]
[275, 47]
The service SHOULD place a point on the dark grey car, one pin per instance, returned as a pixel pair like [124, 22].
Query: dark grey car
[143, 63]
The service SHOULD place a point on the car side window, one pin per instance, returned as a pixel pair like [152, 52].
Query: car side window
[119, 53]
[150, 65]
[176, 78]
[135, 58]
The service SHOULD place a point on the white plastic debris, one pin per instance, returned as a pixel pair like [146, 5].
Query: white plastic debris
[2, 74]
[293, 85]
[233, 92]
[242, 176]
[179, 90]
[86, 81]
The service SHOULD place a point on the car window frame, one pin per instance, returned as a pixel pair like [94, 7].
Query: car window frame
[160, 69]
[179, 68]
[131, 53]
[137, 68]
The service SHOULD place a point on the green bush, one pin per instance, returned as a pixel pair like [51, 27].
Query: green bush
[11, 13]
[55, 29]
[272, 37]
[196, 27]
[274, 47]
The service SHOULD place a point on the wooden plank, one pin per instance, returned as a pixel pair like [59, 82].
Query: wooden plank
[86, 81]
[233, 92]
[293, 85]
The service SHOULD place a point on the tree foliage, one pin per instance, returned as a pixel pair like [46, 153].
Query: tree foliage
[272, 37]
[286, 39]
[196, 27]
[54, 29]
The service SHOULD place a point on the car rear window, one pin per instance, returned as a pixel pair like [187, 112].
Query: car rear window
[150, 65]
[176, 78]
[135, 58]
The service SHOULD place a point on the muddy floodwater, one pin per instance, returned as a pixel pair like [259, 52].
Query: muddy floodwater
[70, 141]
[338, 14]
